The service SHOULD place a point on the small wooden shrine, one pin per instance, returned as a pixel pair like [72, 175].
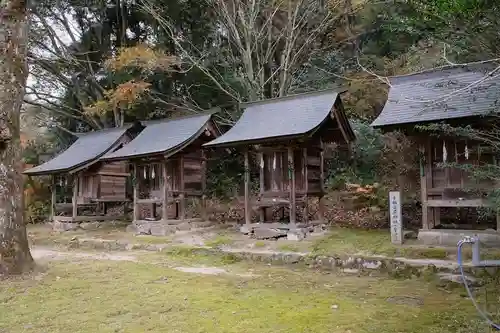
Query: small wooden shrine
[83, 186]
[288, 135]
[168, 165]
[457, 96]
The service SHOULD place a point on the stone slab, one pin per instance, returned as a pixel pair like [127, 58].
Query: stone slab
[202, 224]
[443, 237]
[245, 229]
[90, 225]
[183, 226]
[457, 278]
[64, 226]
[268, 233]
[161, 229]
[131, 228]
[296, 234]
[143, 229]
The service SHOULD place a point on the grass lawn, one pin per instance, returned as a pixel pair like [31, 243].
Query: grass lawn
[338, 241]
[378, 242]
[41, 234]
[150, 296]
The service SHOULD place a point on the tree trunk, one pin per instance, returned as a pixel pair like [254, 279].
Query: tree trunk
[15, 256]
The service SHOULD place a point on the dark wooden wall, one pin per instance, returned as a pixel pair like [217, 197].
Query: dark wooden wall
[440, 178]
[193, 173]
[314, 170]
[106, 181]
[307, 160]
[113, 180]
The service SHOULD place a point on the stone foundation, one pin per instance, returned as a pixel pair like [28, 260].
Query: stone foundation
[442, 237]
[72, 226]
[279, 230]
[165, 228]
[355, 264]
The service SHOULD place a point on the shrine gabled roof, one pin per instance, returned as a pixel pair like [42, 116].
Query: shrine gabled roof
[281, 118]
[442, 94]
[166, 136]
[87, 149]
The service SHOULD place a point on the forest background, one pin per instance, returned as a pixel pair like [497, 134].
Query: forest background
[96, 64]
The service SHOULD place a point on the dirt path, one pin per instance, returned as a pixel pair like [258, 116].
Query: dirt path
[48, 254]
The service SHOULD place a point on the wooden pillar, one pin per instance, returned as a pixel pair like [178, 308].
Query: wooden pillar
[182, 195]
[75, 195]
[322, 165]
[305, 185]
[203, 212]
[321, 209]
[428, 214]
[450, 152]
[153, 210]
[247, 188]
[425, 216]
[291, 171]
[436, 217]
[276, 177]
[431, 216]
[498, 220]
[53, 198]
[321, 203]
[423, 191]
[305, 211]
[262, 210]
[135, 185]
[166, 192]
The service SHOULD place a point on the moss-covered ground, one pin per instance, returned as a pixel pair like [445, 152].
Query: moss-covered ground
[150, 295]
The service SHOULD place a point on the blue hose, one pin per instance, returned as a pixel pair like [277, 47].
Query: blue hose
[460, 265]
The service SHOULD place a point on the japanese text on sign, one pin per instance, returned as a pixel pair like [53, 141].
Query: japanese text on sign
[396, 217]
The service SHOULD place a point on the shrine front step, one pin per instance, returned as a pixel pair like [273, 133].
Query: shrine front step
[276, 230]
[166, 227]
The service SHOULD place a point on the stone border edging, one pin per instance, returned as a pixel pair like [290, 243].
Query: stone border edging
[354, 264]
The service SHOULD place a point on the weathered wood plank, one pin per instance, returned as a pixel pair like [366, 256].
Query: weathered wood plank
[262, 210]
[277, 165]
[193, 178]
[193, 186]
[458, 203]
[113, 174]
[166, 191]
[53, 197]
[247, 188]
[203, 171]
[305, 169]
[314, 161]
[150, 201]
[110, 199]
[322, 165]
[182, 201]
[293, 204]
[136, 194]
[75, 195]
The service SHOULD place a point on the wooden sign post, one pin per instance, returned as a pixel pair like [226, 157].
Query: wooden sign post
[396, 217]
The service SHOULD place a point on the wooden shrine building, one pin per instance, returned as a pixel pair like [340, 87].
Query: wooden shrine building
[168, 165]
[288, 135]
[457, 96]
[83, 186]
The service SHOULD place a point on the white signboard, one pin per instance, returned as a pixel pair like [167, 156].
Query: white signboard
[396, 217]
